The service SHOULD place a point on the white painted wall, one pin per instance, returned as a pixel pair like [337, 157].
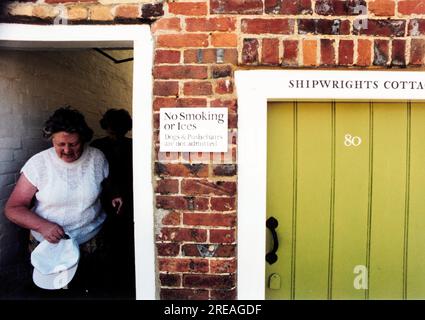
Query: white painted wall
[32, 85]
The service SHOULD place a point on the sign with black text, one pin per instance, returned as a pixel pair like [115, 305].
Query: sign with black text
[193, 130]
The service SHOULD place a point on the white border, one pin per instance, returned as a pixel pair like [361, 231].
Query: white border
[60, 36]
[254, 89]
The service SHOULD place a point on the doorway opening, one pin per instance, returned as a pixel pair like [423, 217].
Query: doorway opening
[46, 67]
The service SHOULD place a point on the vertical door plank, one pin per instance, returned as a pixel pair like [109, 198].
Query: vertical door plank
[280, 191]
[416, 231]
[314, 157]
[351, 199]
[388, 200]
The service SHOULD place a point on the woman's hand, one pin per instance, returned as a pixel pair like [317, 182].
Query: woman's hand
[52, 232]
[117, 204]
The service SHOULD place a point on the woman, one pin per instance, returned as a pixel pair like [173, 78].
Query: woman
[65, 182]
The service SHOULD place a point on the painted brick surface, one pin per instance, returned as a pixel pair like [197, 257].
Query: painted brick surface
[198, 46]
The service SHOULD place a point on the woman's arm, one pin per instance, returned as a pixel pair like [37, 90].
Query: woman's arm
[17, 210]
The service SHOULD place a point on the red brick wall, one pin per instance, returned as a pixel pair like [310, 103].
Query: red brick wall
[198, 46]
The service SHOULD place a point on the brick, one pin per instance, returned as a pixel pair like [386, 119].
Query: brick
[250, 51]
[346, 52]
[198, 88]
[273, 26]
[290, 52]
[231, 104]
[183, 294]
[62, 1]
[182, 234]
[168, 249]
[101, 13]
[381, 28]
[309, 52]
[223, 294]
[270, 52]
[221, 71]
[181, 170]
[180, 72]
[223, 204]
[340, 7]
[398, 53]
[200, 56]
[152, 11]
[416, 27]
[45, 12]
[21, 10]
[382, 7]
[327, 51]
[170, 279]
[188, 8]
[230, 56]
[167, 56]
[7, 179]
[381, 52]
[10, 143]
[182, 40]
[172, 218]
[10, 167]
[211, 56]
[183, 265]
[225, 250]
[205, 187]
[417, 52]
[411, 7]
[209, 281]
[128, 11]
[166, 24]
[224, 39]
[293, 7]
[364, 52]
[223, 266]
[175, 202]
[166, 102]
[217, 250]
[236, 6]
[167, 186]
[233, 121]
[224, 86]
[199, 250]
[226, 170]
[222, 236]
[211, 24]
[77, 13]
[324, 26]
[209, 219]
[166, 88]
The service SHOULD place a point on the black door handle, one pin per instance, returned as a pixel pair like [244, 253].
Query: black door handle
[272, 224]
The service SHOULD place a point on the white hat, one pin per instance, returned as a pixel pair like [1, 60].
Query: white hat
[55, 264]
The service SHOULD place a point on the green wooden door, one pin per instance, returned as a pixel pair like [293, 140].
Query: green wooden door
[346, 181]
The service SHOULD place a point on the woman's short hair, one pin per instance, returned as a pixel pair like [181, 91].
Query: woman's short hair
[68, 120]
[118, 121]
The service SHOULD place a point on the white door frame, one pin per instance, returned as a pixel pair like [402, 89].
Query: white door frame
[254, 90]
[139, 37]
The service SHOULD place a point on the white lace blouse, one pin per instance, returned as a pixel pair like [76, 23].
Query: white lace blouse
[68, 193]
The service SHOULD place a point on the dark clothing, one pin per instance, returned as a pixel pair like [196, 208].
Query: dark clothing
[119, 229]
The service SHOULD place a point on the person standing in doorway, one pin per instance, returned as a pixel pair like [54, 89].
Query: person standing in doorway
[119, 227]
[57, 195]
